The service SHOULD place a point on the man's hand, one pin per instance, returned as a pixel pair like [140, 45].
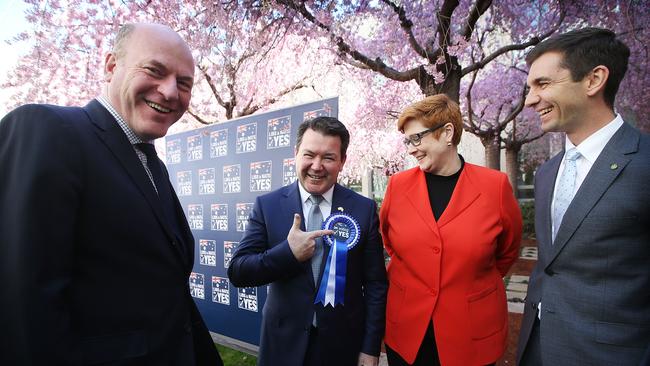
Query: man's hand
[367, 360]
[303, 243]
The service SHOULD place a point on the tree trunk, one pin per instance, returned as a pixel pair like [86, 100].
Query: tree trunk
[492, 152]
[230, 108]
[512, 168]
[450, 86]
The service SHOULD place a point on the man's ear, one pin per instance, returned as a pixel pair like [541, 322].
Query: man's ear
[110, 62]
[596, 80]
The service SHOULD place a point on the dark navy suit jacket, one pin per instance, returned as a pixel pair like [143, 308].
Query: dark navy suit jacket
[264, 257]
[90, 272]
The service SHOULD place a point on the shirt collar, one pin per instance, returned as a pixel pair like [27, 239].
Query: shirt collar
[592, 146]
[133, 138]
[304, 195]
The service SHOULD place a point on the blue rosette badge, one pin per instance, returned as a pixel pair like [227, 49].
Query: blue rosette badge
[346, 235]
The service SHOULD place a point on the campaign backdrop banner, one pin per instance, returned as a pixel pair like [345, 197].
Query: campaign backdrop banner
[217, 172]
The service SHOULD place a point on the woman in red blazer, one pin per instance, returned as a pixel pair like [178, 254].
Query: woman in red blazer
[452, 230]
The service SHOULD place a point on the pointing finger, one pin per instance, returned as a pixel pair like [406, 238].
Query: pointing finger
[316, 233]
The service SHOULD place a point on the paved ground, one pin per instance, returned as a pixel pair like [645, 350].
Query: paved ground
[517, 280]
[517, 284]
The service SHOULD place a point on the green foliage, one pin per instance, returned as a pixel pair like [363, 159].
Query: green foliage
[379, 201]
[528, 215]
[233, 357]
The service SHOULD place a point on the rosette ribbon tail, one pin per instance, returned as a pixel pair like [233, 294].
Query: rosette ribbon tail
[332, 285]
[341, 265]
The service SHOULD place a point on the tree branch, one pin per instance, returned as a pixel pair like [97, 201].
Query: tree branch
[377, 64]
[198, 118]
[407, 26]
[444, 20]
[248, 110]
[468, 97]
[208, 79]
[516, 110]
[475, 13]
[520, 46]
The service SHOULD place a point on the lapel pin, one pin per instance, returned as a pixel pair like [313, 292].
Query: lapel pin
[340, 209]
[614, 166]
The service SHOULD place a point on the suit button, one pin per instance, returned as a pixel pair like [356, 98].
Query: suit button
[433, 292]
[549, 272]
[174, 243]
[436, 250]
[188, 328]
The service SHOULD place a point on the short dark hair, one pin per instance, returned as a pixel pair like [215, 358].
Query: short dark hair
[328, 126]
[583, 49]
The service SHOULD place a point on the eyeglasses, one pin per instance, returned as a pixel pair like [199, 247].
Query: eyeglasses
[416, 138]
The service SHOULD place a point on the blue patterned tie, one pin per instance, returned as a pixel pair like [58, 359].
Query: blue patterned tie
[315, 222]
[165, 194]
[565, 189]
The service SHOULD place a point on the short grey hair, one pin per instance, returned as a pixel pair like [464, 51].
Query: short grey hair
[120, 39]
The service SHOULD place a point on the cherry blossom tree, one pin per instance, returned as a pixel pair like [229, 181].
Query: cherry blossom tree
[442, 45]
[244, 62]
[378, 56]
[427, 42]
[433, 44]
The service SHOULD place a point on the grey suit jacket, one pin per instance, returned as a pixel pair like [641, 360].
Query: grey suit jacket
[594, 281]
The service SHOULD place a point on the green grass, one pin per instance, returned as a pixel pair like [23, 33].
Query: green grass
[233, 357]
[528, 215]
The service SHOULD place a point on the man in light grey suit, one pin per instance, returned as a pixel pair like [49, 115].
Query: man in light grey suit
[588, 299]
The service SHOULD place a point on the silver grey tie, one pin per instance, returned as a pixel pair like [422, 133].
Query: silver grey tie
[315, 222]
[565, 189]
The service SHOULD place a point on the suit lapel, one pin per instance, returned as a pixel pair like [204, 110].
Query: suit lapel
[116, 141]
[418, 197]
[464, 194]
[291, 204]
[610, 163]
[544, 187]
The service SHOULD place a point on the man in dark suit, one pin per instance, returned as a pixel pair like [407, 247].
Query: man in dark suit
[588, 298]
[276, 249]
[96, 251]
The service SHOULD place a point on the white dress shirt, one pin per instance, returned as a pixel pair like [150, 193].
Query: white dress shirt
[589, 150]
[325, 205]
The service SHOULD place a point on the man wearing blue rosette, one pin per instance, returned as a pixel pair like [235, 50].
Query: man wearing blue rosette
[327, 288]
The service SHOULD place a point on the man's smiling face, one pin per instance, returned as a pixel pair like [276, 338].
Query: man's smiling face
[318, 161]
[559, 101]
[150, 80]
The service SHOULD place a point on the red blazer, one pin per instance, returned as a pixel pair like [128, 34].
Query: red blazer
[450, 270]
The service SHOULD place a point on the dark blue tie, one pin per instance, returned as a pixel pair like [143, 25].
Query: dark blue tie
[165, 194]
